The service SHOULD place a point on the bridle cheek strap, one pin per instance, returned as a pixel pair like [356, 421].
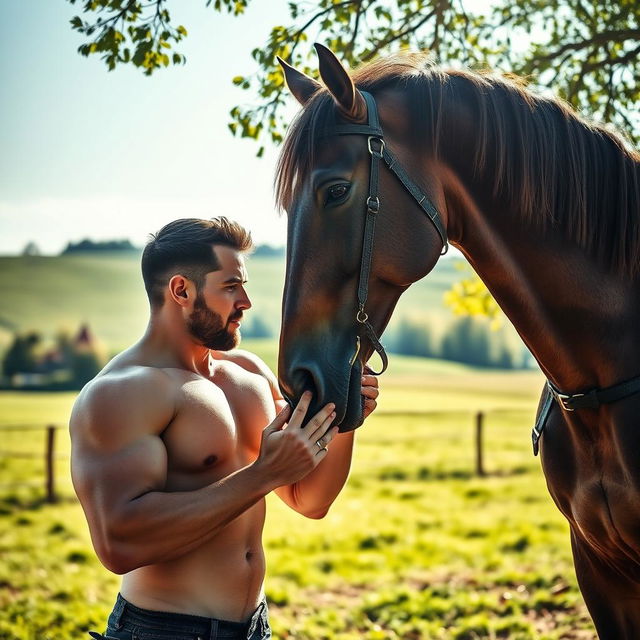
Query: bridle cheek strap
[377, 151]
[373, 207]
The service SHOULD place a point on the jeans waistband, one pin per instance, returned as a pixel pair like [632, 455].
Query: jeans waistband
[125, 614]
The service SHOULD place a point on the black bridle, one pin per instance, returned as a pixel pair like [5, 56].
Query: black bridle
[378, 151]
[589, 399]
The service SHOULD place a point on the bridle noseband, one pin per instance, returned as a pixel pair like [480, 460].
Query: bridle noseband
[378, 151]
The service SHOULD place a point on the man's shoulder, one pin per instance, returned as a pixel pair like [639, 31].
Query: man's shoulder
[250, 362]
[129, 379]
[127, 393]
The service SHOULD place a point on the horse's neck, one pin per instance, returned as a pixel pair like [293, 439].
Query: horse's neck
[578, 321]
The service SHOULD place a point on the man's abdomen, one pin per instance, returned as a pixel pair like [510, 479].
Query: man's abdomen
[221, 579]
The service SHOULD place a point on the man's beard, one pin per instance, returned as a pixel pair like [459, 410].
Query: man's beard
[207, 328]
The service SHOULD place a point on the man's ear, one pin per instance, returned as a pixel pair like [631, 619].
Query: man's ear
[181, 290]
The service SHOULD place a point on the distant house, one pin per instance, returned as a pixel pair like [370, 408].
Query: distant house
[85, 338]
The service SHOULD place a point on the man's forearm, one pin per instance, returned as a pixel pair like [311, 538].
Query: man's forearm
[313, 495]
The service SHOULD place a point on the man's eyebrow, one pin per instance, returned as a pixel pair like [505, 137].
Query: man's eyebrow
[235, 280]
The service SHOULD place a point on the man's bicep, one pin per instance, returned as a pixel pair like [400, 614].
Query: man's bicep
[106, 483]
[118, 454]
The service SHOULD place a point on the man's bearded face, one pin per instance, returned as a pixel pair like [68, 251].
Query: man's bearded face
[208, 328]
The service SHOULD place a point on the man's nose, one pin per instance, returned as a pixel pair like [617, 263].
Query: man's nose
[244, 302]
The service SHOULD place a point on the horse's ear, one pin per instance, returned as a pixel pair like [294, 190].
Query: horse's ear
[340, 85]
[301, 85]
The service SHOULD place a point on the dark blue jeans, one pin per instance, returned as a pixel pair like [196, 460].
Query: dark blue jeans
[128, 622]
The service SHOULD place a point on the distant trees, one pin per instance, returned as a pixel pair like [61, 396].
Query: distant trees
[85, 355]
[267, 251]
[257, 328]
[22, 357]
[86, 246]
[69, 364]
[98, 246]
[414, 339]
[468, 340]
[31, 249]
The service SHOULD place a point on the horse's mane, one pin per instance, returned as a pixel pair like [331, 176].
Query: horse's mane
[553, 167]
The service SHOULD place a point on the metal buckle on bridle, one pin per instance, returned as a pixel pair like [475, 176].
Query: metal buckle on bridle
[355, 355]
[565, 400]
[378, 153]
[587, 400]
[373, 204]
[362, 316]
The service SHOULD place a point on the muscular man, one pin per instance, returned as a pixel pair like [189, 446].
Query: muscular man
[171, 459]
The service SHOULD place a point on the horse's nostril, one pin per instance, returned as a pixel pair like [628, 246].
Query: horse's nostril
[303, 381]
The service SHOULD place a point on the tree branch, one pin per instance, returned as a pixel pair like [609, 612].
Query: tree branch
[296, 36]
[598, 38]
[354, 35]
[395, 36]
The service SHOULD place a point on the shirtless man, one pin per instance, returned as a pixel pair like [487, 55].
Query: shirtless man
[171, 459]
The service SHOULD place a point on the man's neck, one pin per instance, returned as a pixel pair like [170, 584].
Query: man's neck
[167, 342]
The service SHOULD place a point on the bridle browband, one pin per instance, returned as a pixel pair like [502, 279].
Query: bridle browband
[378, 151]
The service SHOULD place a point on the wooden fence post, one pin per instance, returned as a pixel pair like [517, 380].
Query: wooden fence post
[50, 462]
[479, 437]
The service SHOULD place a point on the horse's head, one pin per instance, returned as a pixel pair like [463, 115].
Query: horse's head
[336, 181]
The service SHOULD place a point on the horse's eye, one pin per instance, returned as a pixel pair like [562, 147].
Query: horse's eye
[337, 192]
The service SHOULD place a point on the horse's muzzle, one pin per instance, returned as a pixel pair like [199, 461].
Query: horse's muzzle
[330, 374]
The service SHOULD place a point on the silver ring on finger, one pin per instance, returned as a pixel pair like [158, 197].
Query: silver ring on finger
[320, 444]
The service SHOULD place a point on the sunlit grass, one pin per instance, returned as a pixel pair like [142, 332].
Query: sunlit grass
[415, 547]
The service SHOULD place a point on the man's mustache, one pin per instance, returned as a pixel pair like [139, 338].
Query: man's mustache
[235, 318]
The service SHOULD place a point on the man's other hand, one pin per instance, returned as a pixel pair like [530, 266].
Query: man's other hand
[370, 393]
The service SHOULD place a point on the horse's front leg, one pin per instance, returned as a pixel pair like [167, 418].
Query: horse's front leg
[613, 600]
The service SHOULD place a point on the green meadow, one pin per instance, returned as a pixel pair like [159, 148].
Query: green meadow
[415, 547]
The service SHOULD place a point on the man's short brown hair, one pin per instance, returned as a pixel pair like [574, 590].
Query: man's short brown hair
[185, 247]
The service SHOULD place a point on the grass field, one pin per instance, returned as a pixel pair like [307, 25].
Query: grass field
[415, 547]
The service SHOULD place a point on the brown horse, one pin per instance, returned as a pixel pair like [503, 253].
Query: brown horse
[544, 205]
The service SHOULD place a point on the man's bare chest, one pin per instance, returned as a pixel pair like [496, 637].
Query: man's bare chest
[218, 426]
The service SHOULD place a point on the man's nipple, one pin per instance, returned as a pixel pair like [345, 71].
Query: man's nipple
[210, 460]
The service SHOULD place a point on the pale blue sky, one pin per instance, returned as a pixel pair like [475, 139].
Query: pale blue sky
[89, 153]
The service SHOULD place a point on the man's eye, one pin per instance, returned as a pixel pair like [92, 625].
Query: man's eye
[337, 192]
